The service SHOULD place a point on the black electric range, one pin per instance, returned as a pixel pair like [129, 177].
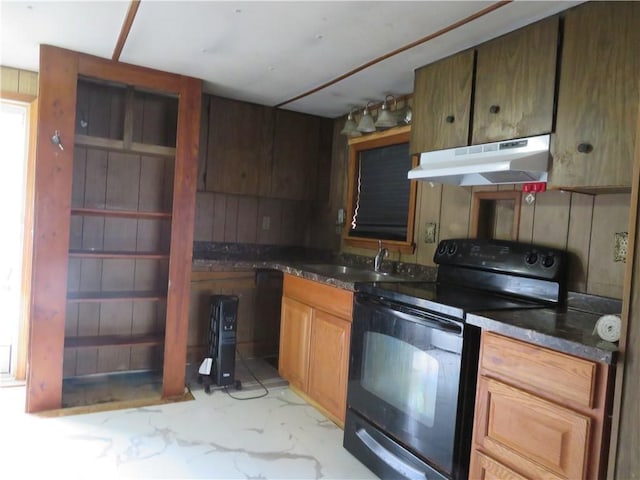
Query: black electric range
[480, 275]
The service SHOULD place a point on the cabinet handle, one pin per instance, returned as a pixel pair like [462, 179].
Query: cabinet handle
[585, 148]
[450, 119]
[494, 108]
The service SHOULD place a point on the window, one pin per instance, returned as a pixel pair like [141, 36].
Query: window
[381, 199]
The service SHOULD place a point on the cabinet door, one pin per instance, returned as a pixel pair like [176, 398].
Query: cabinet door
[598, 96]
[239, 147]
[295, 333]
[535, 435]
[442, 104]
[329, 356]
[515, 84]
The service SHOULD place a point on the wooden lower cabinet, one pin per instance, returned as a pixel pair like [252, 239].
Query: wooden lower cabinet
[295, 336]
[329, 362]
[549, 423]
[315, 332]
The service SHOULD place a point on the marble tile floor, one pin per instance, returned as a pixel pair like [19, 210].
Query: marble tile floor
[213, 436]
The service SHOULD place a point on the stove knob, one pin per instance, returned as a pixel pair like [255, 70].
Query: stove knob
[548, 261]
[531, 258]
[452, 248]
[442, 248]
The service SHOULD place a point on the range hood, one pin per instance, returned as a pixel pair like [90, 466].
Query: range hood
[522, 160]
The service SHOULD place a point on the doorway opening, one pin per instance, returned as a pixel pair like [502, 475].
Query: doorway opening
[14, 140]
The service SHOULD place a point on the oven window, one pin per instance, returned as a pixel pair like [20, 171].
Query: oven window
[402, 375]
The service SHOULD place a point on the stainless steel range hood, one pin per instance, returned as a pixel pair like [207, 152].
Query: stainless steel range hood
[522, 160]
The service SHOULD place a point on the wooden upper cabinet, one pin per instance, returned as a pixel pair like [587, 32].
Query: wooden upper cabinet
[598, 97]
[296, 148]
[515, 84]
[239, 147]
[442, 104]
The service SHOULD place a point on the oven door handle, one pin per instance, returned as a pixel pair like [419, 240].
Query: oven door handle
[413, 314]
[398, 464]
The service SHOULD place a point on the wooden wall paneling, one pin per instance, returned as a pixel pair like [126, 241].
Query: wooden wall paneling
[95, 182]
[204, 144]
[117, 111]
[271, 208]
[240, 140]
[184, 192]
[54, 168]
[123, 181]
[152, 172]
[90, 275]
[152, 235]
[610, 216]
[430, 199]
[219, 216]
[454, 212]
[231, 219]
[117, 274]
[82, 108]
[98, 111]
[203, 230]
[527, 214]
[149, 276]
[578, 240]
[120, 234]
[158, 120]
[69, 363]
[295, 155]
[247, 220]
[294, 222]
[169, 174]
[551, 220]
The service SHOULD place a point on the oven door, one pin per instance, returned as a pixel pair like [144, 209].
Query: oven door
[412, 375]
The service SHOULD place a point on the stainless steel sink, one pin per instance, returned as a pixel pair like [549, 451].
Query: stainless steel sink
[351, 274]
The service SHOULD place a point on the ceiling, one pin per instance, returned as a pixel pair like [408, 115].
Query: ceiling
[269, 52]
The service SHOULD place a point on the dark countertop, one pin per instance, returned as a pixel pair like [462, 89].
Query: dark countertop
[569, 330]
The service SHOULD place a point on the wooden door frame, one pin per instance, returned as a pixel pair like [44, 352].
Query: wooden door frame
[31, 103]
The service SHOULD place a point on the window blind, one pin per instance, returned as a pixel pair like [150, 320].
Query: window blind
[383, 191]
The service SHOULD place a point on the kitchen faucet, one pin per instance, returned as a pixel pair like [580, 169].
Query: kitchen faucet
[382, 252]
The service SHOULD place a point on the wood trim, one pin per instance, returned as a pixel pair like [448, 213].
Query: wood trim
[375, 140]
[101, 212]
[623, 456]
[111, 254]
[402, 49]
[478, 197]
[53, 178]
[124, 146]
[320, 296]
[17, 96]
[184, 196]
[20, 372]
[136, 296]
[127, 74]
[113, 341]
[126, 28]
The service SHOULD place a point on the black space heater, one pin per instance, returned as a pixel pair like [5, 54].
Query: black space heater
[223, 321]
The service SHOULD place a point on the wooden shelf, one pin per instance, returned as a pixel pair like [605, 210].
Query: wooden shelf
[114, 254]
[102, 212]
[119, 145]
[82, 297]
[113, 341]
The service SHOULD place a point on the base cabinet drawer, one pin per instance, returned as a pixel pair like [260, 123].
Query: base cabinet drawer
[535, 434]
[484, 467]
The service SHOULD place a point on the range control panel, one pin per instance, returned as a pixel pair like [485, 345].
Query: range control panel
[503, 256]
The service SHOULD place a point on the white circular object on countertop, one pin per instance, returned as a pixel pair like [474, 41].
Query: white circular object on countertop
[608, 328]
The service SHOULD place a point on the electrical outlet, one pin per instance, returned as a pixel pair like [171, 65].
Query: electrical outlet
[620, 247]
[430, 233]
[266, 223]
